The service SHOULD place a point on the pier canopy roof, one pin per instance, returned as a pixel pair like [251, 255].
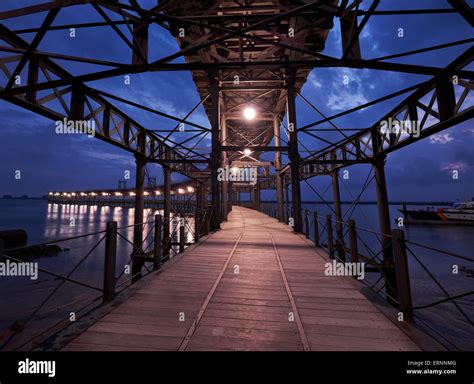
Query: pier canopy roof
[254, 46]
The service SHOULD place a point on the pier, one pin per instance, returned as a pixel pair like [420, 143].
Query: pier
[214, 267]
[253, 285]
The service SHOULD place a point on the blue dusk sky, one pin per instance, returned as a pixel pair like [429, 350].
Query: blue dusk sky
[422, 171]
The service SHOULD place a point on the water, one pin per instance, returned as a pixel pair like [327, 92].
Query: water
[43, 222]
[20, 296]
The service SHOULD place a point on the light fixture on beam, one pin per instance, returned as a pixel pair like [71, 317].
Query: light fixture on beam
[250, 113]
[247, 152]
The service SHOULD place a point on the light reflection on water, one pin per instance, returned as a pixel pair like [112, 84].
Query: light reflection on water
[46, 222]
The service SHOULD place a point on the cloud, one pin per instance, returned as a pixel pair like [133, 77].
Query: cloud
[349, 91]
[314, 80]
[457, 165]
[95, 154]
[441, 138]
[367, 35]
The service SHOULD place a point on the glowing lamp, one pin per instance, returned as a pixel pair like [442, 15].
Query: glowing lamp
[250, 113]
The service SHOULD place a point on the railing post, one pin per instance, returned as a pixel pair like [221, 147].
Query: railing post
[353, 241]
[182, 227]
[401, 273]
[167, 247]
[208, 220]
[197, 226]
[338, 216]
[306, 223]
[330, 236]
[316, 229]
[157, 242]
[110, 257]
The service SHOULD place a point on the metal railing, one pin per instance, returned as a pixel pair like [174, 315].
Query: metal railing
[155, 249]
[344, 243]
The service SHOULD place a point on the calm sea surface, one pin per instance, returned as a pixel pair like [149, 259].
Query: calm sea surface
[19, 297]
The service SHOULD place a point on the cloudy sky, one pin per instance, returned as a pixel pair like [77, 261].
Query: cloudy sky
[423, 171]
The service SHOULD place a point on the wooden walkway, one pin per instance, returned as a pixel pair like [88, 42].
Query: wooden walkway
[254, 285]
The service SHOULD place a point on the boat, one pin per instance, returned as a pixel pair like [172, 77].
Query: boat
[460, 213]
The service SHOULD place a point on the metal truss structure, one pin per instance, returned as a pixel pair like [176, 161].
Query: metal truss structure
[445, 108]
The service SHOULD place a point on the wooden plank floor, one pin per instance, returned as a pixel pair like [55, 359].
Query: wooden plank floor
[254, 285]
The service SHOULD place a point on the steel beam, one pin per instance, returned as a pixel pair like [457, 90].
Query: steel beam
[464, 10]
[446, 98]
[259, 148]
[338, 216]
[166, 209]
[278, 178]
[224, 164]
[388, 270]
[215, 151]
[348, 27]
[137, 262]
[293, 153]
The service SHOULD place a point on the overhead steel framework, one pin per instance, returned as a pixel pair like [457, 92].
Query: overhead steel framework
[242, 55]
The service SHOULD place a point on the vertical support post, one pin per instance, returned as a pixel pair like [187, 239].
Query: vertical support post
[353, 241]
[330, 237]
[278, 178]
[350, 46]
[137, 262]
[106, 128]
[197, 227]
[338, 213]
[140, 43]
[287, 201]
[230, 195]
[316, 229]
[385, 227]
[293, 154]
[110, 259]
[215, 150]
[182, 235]
[445, 97]
[306, 223]
[256, 197]
[77, 103]
[198, 214]
[33, 71]
[402, 273]
[158, 242]
[225, 182]
[166, 210]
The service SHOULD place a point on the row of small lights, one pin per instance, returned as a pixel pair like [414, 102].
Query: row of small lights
[73, 194]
